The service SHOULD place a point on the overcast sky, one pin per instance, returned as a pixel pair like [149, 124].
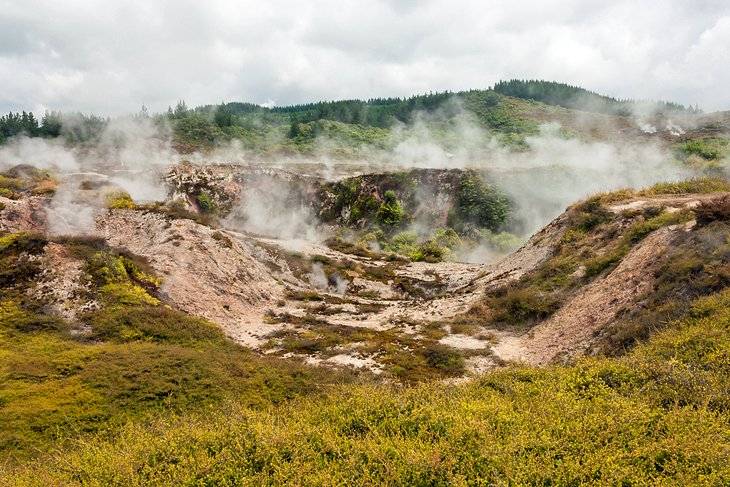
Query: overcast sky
[110, 57]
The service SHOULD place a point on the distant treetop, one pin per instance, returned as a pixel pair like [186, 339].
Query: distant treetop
[577, 98]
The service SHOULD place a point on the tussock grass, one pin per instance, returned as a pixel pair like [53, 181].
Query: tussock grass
[694, 185]
[658, 416]
[128, 356]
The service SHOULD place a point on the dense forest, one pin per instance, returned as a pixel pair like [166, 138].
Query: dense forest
[577, 98]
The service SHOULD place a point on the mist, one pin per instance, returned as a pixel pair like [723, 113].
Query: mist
[552, 169]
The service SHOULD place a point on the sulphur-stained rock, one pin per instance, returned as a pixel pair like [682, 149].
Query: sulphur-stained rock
[427, 195]
[24, 215]
[204, 272]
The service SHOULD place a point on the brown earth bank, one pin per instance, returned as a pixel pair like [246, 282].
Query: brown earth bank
[296, 297]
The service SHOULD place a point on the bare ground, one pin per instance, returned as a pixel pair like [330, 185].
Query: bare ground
[240, 281]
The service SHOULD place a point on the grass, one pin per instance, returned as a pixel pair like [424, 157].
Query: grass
[126, 357]
[658, 416]
[594, 242]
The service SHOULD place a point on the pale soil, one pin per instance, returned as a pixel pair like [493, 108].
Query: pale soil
[60, 284]
[571, 330]
[235, 280]
[221, 280]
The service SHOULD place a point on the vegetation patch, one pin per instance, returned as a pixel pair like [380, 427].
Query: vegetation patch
[694, 185]
[705, 149]
[205, 202]
[403, 356]
[25, 179]
[594, 242]
[134, 355]
[479, 204]
[658, 415]
[694, 267]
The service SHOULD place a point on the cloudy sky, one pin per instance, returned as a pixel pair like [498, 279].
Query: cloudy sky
[110, 57]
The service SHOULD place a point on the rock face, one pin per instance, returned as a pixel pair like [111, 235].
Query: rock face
[258, 289]
[426, 195]
[573, 328]
[205, 272]
[24, 215]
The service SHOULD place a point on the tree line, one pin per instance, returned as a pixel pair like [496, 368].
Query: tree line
[209, 122]
[577, 98]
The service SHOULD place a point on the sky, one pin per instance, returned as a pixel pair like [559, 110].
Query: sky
[111, 57]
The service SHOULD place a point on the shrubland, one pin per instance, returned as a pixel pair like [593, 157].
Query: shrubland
[656, 416]
[128, 355]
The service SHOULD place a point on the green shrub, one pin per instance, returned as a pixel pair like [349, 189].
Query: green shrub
[151, 323]
[390, 212]
[521, 307]
[205, 202]
[119, 200]
[695, 185]
[502, 241]
[31, 243]
[403, 243]
[596, 265]
[18, 265]
[447, 237]
[708, 148]
[444, 358]
[478, 203]
[429, 251]
[25, 316]
[589, 214]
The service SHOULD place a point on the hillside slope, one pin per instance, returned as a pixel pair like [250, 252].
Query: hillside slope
[561, 294]
[157, 311]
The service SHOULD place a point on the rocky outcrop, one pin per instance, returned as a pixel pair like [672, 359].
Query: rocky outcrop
[426, 195]
[205, 272]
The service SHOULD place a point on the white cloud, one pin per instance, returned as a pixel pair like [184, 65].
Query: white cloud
[111, 57]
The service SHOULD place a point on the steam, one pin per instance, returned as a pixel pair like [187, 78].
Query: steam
[674, 129]
[268, 207]
[66, 215]
[319, 280]
[553, 169]
[647, 128]
[41, 153]
[557, 172]
[128, 153]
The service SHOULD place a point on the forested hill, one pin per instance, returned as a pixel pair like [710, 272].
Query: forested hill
[577, 98]
[509, 110]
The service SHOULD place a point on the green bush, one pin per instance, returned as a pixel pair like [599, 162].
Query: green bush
[694, 185]
[479, 204]
[429, 251]
[403, 243]
[119, 200]
[390, 213]
[205, 202]
[447, 237]
[502, 241]
[521, 307]
[151, 324]
[709, 149]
